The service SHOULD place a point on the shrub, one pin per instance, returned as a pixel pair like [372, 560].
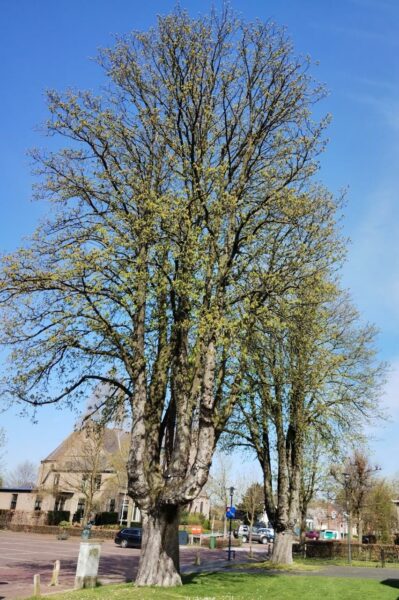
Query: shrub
[64, 524]
[5, 517]
[106, 518]
[54, 517]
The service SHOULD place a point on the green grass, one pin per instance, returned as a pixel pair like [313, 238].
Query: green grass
[237, 586]
[298, 565]
[343, 562]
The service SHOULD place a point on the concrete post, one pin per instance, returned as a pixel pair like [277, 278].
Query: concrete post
[36, 586]
[87, 567]
[56, 573]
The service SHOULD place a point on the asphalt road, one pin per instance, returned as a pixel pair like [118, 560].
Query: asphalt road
[23, 555]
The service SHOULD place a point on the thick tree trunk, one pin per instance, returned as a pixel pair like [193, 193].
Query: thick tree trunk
[282, 548]
[159, 559]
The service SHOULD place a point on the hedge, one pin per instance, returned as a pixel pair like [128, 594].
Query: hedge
[54, 517]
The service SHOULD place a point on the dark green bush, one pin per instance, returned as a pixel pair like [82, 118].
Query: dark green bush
[106, 518]
[54, 517]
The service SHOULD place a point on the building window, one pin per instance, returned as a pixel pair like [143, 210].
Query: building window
[97, 482]
[14, 499]
[38, 503]
[124, 510]
[85, 477]
[135, 514]
[201, 507]
[59, 503]
[112, 505]
[56, 479]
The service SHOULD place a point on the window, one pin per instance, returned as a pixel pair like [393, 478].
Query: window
[14, 499]
[85, 477]
[124, 510]
[38, 503]
[201, 508]
[112, 505]
[59, 503]
[56, 479]
[97, 482]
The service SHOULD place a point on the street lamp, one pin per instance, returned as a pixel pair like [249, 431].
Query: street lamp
[348, 514]
[231, 490]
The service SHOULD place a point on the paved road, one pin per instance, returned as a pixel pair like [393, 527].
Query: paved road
[23, 555]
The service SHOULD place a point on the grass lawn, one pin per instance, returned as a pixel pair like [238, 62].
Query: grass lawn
[342, 562]
[237, 586]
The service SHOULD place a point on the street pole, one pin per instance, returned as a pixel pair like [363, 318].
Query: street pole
[348, 516]
[231, 504]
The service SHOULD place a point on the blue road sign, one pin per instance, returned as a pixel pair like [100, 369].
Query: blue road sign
[231, 512]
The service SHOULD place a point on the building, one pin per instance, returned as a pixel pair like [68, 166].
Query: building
[82, 478]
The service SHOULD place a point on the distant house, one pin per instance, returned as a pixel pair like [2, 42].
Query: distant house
[84, 475]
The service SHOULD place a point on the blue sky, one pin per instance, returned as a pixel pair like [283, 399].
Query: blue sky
[46, 44]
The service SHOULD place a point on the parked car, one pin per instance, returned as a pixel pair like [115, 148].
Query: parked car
[242, 531]
[263, 535]
[329, 534]
[312, 534]
[370, 538]
[130, 536]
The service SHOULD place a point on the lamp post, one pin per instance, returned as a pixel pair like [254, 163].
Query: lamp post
[231, 490]
[348, 515]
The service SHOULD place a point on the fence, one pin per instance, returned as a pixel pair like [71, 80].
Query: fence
[379, 553]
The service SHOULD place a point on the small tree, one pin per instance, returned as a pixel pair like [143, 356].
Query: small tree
[23, 476]
[356, 480]
[379, 513]
[2, 444]
[85, 464]
[252, 504]
[218, 484]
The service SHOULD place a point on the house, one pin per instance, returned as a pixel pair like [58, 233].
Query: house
[83, 478]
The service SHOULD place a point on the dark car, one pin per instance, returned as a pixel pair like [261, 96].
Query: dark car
[369, 539]
[130, 536]
[263, 535]
[312, 535]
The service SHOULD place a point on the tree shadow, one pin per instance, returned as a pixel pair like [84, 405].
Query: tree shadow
[394, 583]
[193, 578]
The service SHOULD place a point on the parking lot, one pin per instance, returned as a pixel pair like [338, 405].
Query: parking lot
[24, 555]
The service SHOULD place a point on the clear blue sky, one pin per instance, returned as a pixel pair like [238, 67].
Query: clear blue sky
[49, 44]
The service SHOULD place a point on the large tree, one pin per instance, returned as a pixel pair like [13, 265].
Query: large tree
[173, 194]
[311, 371]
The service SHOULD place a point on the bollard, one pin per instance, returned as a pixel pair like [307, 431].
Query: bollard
[36, 586]
[55, 574]
[87, 567]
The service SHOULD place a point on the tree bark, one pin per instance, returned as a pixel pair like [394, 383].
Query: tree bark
[282, 548]
[159, 559]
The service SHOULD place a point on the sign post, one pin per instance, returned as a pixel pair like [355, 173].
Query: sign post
[230, 514]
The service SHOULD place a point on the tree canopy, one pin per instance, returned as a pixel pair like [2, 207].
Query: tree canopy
[183, 202]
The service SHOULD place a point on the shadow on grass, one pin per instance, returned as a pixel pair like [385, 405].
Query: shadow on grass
[194, 578]
[394, 583]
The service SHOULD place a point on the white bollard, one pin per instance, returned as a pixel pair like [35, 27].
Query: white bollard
[36, 586]
[56, 573]
[87, 567]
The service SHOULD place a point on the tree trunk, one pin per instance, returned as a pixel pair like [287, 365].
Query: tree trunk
[282, 548]
[159, 559]
[360, 529]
